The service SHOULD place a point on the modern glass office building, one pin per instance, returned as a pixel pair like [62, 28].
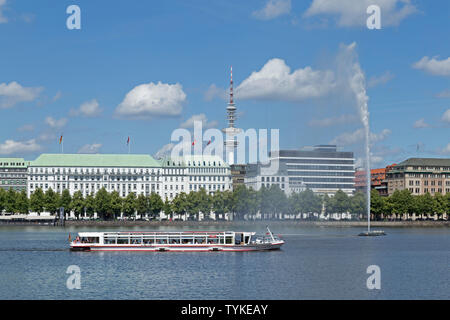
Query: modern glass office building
[322, 168]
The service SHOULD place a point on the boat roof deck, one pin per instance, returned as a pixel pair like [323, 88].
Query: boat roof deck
[156, 233]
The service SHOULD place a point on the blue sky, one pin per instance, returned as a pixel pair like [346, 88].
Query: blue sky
[98, 85]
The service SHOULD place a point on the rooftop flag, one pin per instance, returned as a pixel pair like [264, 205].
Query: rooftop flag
[60, 140]
[128, 141]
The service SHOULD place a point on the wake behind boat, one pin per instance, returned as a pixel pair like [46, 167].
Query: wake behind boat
[190, 241]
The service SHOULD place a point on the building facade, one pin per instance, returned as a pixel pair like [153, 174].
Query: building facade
[88, 173]
[238, 172]
[420, 176]
[195, 172]
[322, 168]
[377, 177]
[258, 176]
[139, 174]
[13, 174]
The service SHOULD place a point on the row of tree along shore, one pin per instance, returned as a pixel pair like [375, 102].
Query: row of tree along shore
[241, 203]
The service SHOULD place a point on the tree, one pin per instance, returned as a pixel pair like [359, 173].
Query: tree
[78, 204]
[340, 202]
[377, 206]
[440, 204]
[66, 201]
[141, 205]
[116, 203]
[129, 204]
[51, 201]
[22, 202]
[37, 201]
[358, 203]
[179, 204]
[10, 204]
[155, 204]
[204, 202]
[168, 208]
[90, 205]
[102, 204]
[218, 203]
[402, 202]
[2, 200]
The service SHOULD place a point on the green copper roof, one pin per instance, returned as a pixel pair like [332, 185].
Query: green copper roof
[95, 160]
[430, 162]
[13, 163]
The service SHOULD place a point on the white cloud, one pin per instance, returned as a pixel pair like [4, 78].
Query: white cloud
[47, 136]
[273, 9]
[434, 66]
[384, 78]
[90, 148]
[446, 149]
[333, 121]
[351, 13]
[55, 123]
[421, 124]
[350, 138]
[57, 96]
[13, 93]
[444, 94]
[10, 147]
[215, 92]
[276, 82]
[26, 127]
[189, 123]
[3, 19]
[87, 109]
[446, 116]
[152, 100]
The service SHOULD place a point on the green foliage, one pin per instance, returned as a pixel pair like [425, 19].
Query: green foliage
[77, 204]
[66, 200]
[2, 199]
[10, 203]
[116, 203]
[142, 205]
[90, 205]
[37, 201]
[129, 205]
[51, 201]
[155, 204]
[22, 202]
[102, 204]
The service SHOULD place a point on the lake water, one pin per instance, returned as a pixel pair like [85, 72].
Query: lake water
[315, 263]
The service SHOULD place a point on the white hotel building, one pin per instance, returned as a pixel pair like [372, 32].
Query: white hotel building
[140, 174]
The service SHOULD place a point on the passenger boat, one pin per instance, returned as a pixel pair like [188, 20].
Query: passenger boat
[191, 241]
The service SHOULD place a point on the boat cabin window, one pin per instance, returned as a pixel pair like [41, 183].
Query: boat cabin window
[123, 241]
[90, 240]
[213, 240]
[229, 239]
[200, 240]
[109, 240]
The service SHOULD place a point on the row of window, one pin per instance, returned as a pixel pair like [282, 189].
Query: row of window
[427, 190]
[426, 183]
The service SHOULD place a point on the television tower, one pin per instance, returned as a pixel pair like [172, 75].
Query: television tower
[231, 132]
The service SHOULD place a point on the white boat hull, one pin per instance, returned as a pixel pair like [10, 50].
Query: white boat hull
[178, 248]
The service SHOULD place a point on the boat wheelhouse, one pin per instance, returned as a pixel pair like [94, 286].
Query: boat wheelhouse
[190, 241]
